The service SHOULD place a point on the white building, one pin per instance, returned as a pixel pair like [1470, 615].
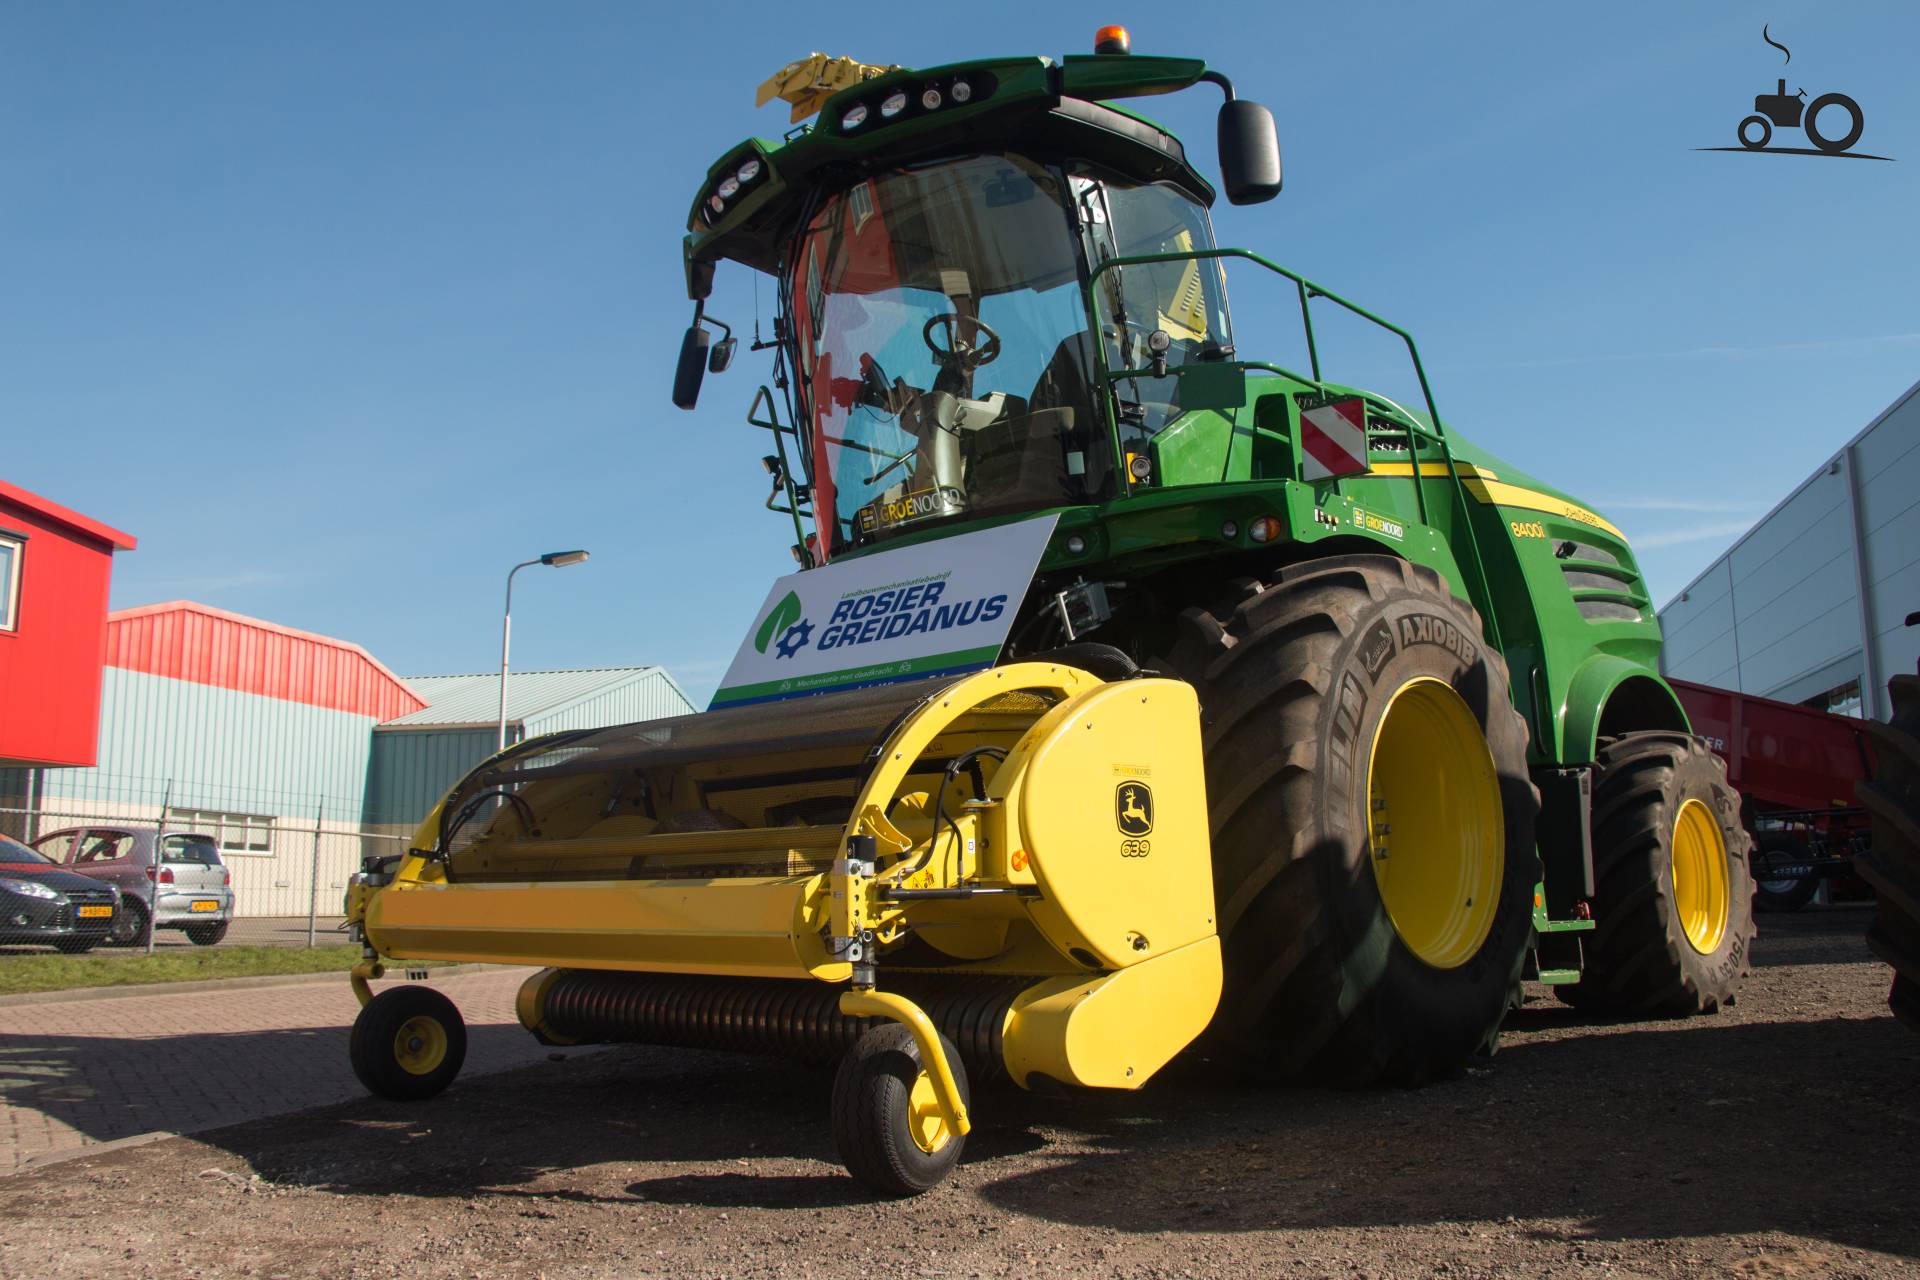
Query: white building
[1810, 605]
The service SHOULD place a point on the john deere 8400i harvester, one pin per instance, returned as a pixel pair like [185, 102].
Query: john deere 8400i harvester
[1313, 731]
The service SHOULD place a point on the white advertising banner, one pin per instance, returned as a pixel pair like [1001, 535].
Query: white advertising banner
[930, 609]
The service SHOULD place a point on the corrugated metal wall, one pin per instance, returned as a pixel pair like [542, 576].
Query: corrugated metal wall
[207, 646]
[650, 696]
[1888, 462]
[1782, 614]
[411, 769]
[200, 747]
[1780, 605]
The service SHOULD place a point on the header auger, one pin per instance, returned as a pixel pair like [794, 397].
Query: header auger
[1314, 732]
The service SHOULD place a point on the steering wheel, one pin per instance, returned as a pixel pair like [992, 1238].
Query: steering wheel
[963, 333]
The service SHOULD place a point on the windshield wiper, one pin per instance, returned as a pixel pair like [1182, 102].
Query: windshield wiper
[874, 478]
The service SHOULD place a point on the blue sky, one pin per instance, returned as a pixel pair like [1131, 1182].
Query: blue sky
[344, 309]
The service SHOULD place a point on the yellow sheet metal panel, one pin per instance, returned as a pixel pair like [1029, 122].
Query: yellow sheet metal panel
[1112, 811]
[529, 1005]
[749, 926]
[1114, 1031]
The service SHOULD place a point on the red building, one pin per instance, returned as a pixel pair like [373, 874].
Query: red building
[55, 565]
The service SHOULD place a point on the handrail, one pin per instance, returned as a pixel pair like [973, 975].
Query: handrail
[1308, 290]
[779, 430]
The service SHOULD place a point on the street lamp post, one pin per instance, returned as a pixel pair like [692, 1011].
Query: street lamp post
[554, 559]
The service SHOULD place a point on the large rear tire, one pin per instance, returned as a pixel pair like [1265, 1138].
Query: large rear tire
[1372, 821]
[1674, 908]
[1892, 865]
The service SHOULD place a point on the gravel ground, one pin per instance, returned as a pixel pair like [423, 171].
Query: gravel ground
[1779, 1139]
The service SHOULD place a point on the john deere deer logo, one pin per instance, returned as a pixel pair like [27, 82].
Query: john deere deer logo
[1133, 808]
[1833, 122]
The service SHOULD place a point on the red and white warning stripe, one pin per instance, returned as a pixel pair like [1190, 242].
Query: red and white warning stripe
[1333, 440]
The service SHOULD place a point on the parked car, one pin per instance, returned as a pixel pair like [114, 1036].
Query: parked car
[167, 880]
[40, 902]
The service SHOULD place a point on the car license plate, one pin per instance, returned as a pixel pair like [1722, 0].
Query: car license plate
[96, 913]
[205, 904]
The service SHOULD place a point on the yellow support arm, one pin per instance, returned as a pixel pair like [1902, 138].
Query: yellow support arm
[885, 1004]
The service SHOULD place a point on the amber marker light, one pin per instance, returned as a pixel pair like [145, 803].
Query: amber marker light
[1112, 39]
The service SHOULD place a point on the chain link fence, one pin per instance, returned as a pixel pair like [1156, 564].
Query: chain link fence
[242, 872]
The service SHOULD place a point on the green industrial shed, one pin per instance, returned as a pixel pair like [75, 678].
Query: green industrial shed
[418, 756]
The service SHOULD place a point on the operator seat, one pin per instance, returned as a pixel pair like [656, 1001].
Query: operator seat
[1025, 461]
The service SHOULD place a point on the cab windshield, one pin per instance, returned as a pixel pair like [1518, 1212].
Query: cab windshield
[942, 329]
[939, 318]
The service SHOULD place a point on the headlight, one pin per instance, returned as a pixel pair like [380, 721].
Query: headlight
[728, 185]
[27, 888]
[895, 103]
[961, 91]
[751, 169]
[855, 117]
[930, 99]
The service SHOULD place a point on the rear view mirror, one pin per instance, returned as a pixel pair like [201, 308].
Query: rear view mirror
[1249, 152]
[722, 355]
[692, 367]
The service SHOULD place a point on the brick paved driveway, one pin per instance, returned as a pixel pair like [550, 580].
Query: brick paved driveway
[80, 1072]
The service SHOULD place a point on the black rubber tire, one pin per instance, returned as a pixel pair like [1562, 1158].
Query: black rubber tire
[1812, 117]
[1294, 674]
[870, 1094]
[76, 946]
[206, 935]
[132, 925]
[1788, 848]
[1892, 864]
[372, 1051]
[1766, 133]
[1638, 959]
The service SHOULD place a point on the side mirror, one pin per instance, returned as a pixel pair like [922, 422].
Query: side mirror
[1249, 152]
[722, 355]
[692, 367]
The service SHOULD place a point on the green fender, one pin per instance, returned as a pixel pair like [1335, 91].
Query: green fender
[1644, 701]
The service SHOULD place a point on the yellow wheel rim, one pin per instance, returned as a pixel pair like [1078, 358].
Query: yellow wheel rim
[1436, 831]
[1701, 890]
[924, 1121]
[420, 1045]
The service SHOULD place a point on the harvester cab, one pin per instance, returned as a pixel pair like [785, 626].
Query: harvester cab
[932, 236]
[1303, 723]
